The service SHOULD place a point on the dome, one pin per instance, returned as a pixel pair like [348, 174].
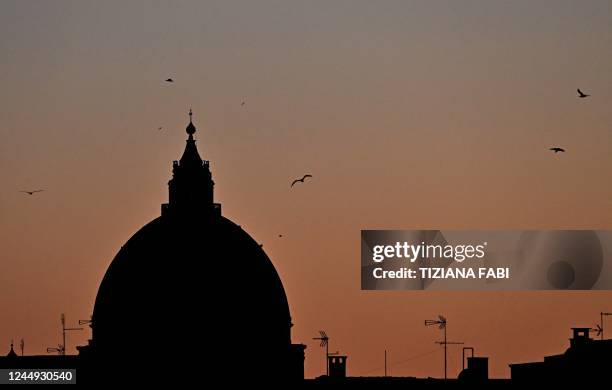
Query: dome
[191, 281]
[172, 279]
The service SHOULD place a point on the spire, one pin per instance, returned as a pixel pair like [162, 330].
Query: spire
[191, 155]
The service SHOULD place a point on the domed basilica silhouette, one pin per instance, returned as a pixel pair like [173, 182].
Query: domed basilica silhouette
[195, 280]
[191, 290]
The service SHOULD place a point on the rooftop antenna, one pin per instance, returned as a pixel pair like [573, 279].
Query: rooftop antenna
[61, 349]
[324, 343]
[22, 346]
[441, 322]
[600, 327]
[86, 322]
[597, 329]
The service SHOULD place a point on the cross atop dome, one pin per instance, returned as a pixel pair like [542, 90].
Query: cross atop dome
[191, 129]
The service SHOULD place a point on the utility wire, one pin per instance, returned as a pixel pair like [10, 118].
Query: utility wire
[420, 355]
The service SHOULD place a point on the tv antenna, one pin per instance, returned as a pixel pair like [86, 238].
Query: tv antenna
[324, 343]
[600, 328]
[441, 322]
[86, 322]
[61, 349]
[597, 329]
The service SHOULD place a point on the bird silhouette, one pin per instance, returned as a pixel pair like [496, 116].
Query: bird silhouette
[31, 192]
[169, 80]
[300, 180]
[242, 104]
[280, 236]
[557, 150]
[582, 94]
[160, 128]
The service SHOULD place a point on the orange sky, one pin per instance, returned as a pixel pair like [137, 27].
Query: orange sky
[409, 114]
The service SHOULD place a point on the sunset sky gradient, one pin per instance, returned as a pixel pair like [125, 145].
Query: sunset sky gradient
[409, 115]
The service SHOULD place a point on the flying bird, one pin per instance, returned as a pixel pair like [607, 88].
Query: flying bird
[300, 180]
[280, 236]
[557, 150]
[242, 104]
[160, 128]
[169, 80]
[582, 94]
[31, 192]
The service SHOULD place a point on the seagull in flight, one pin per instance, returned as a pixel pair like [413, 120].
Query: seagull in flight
[557, 150]
[169, 80]
[300, 180]
[31, 192]
[581, 94]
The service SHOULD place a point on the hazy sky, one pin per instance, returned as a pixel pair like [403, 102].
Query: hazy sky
[409, 114]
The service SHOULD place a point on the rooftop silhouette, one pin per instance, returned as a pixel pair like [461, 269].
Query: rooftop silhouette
[193, 268]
